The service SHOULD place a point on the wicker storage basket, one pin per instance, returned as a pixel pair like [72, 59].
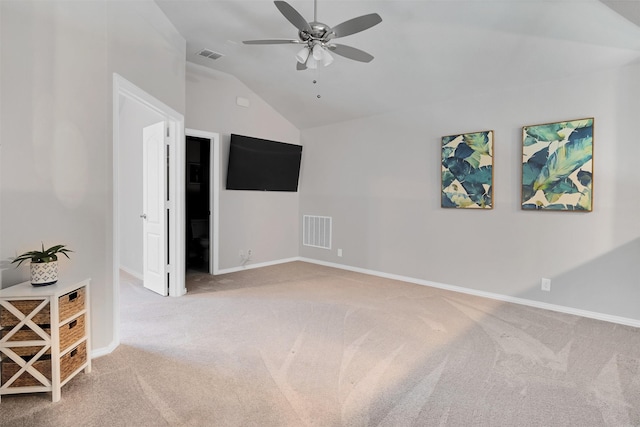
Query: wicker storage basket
[71, 361]
[71, 303]
[71, 332]
[25, 307]
[26, 334]
[10, 368]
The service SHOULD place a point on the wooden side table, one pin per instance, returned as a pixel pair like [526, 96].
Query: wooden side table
[44, 336]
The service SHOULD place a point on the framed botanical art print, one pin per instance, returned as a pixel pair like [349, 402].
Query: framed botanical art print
[557, 166]
[467, 171]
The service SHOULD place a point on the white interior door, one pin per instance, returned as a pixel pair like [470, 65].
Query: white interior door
[154, 184]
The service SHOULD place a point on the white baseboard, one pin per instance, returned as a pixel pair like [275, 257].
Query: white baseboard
[133, 273]
[490, 295]
[262, 264]
[99, 352]
[103, 351]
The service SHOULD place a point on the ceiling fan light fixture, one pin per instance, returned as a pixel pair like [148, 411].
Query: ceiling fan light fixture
[318, 52]
[327, 59]
[312, 63]
[319, 55]
[303, 55]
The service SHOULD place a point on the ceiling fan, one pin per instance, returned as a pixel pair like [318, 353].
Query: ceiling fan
[317, 37]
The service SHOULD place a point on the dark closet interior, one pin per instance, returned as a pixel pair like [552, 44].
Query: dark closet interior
[197, 203]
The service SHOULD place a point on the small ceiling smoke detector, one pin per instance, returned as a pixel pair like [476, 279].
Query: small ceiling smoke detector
[208, 53]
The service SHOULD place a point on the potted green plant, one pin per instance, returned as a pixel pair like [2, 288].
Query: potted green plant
[44, 264]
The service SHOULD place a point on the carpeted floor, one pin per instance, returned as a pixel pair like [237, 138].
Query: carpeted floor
[299, 344]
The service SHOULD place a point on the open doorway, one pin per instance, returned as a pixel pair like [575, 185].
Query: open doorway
[128, 103]
[202, 200]
[197, 212]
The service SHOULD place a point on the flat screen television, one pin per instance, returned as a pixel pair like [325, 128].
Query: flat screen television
[263, 165]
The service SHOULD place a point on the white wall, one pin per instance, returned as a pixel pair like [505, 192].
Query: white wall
[266, 222]
[133, 118]
[383, 192]
[146, 49]
[57, 60]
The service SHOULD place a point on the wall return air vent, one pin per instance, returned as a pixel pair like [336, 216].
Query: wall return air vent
[316, 231]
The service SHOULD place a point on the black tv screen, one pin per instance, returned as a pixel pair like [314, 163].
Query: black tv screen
[260, 164]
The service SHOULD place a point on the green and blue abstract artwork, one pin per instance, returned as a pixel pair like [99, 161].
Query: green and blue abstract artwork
[467, 170]
[557, 166]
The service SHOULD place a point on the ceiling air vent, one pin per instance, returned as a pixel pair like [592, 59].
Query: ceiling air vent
[207, 53]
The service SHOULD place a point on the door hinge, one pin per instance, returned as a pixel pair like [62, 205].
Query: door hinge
[169, 269]
[167, 132]
[168, 205]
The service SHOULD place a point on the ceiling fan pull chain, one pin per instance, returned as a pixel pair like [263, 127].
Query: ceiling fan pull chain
[315, 82]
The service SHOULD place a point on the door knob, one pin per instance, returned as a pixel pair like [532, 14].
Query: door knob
[143, 216]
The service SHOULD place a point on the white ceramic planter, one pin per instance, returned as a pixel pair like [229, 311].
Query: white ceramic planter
[44, 273]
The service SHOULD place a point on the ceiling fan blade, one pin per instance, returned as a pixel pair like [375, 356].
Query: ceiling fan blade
[293, 16]
[351, 52]
[273, 41]
[356, 25]
[300, 67]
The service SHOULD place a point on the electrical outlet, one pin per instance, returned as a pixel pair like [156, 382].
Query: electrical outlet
[545, 284]
[339, 252]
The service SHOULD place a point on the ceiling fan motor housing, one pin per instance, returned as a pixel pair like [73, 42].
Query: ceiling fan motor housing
[319, 33]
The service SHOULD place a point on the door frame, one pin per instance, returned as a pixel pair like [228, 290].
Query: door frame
[214, 194]
[175, 121]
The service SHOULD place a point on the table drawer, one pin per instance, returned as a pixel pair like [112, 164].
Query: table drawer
[72, 303]
[28, 352]
[25, 307]
[71, 361]
[72, 332]
[24, 334]
[10, 368]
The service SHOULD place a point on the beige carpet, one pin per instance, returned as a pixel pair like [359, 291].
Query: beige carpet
[304, 345]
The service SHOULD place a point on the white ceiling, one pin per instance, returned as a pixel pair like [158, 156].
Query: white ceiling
[425, 51]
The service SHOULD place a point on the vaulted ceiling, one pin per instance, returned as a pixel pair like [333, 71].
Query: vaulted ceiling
[426, 51]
